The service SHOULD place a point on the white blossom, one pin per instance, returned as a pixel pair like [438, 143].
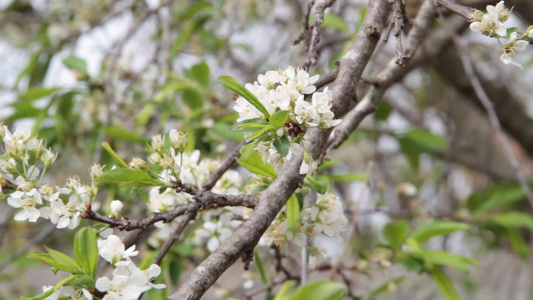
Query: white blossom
[28, 202]
[511, 48]
[113, 250]
[489, 25]
[128, 281]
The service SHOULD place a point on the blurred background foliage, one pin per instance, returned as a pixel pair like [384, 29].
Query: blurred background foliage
[85, 72]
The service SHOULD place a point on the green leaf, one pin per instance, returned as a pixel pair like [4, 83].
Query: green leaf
[293, 212]
[502, 196]
[246, 150]
[319, 290]
[519, 245]
[316, 185]
[449, 259]
[86, 249]
[434, 228]
[285, 288]
[444, 284]
[114, 155]
[130, 177]
[238, 88]
[223, 129]
[282, 145]
[250, 125]
[175, 270]
[35, 93]
[348, 177]
[383, 111]
[395, 234]
[261, 269]
[200, 73]
[192, 99]
[513, 219]
[383, 288]
[119, 133]
[75, 64]
[412, 264]
[279, 118]
[335, 22]
[417, 141]
[254, 163]
[58, 260]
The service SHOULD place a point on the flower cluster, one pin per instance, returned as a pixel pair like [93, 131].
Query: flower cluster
[492, 24]
[128, 281]
[286, 90]
[326, 217]
[188, 168]
[20, 172]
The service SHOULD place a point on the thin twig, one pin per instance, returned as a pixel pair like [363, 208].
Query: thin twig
[226, 164]
[174, 237]
[464, 11]
[493, 119]
[312, 55]
[353, 222]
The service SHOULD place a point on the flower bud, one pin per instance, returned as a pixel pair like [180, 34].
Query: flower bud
[48, 157]
[477, 15]
[116, 207]
[140, 164]
[178, 139]
[158, 143]
[96, 171]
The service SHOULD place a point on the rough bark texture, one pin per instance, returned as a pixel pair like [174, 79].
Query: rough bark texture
[272, 199]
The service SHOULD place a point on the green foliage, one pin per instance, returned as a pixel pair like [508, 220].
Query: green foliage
[395, 234]
[254, 163]
[293, 212]
[316, 290]
[130, 177]
[383, 288]
[238, 88]
[414, 142]
[86, 249]
[434, 228]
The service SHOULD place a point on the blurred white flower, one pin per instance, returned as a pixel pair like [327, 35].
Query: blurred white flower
[510, 49]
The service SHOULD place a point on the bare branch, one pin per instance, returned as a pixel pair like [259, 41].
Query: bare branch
[464, 11]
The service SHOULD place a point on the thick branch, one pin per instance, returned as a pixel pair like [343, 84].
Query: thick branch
[275, 196]
[384, 79]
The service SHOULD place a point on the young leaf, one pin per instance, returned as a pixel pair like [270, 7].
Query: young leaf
[293, 212]
[502, 196]
[238, 127]
[513, 219]
[86, 249]
[246, 150]
[238, 88]
[383, 287]
[130, 177]
[444, 284]
[434, 228]
[35, 93]
[315, 185]
[395, 234]
[279, 118]
[449, 259]
[200, 73]
[285, 288]
[254, 163]
[107, 147]
[75, 64]
[282, 145]
[63, 262]
[319, 290]
[261, 269]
